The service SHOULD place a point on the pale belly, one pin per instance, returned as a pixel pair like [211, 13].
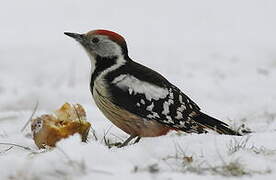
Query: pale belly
[126, 121]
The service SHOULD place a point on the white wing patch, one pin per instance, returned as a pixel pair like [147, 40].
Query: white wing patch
[119, 78]
[134, 85]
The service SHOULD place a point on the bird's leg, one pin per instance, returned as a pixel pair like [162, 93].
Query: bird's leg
[127, 141]
[137, 139]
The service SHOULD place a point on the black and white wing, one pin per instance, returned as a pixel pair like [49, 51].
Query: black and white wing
[149, 95]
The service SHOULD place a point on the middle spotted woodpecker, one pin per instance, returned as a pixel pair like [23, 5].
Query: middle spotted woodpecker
[135, 98]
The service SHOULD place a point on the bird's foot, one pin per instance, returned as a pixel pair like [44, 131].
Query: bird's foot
[137, 140]
[125, 143]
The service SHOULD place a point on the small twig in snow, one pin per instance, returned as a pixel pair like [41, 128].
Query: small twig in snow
[13, 144]
[31, 117]
[94, 133]
[6, 150]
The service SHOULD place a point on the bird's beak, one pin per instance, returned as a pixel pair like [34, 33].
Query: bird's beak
[76, 36]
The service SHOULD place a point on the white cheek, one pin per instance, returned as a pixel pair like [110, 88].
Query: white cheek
[109, 48]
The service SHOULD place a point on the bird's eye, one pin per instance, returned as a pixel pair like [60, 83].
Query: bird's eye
[95, 40]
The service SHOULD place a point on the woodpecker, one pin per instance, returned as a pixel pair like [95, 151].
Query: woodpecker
[135, 98]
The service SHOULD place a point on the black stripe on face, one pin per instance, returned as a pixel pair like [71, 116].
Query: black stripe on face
[102, 63]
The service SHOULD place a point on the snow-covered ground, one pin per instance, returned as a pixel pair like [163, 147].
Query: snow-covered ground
[220, 53]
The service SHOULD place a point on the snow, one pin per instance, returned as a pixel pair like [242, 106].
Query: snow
[220, 53]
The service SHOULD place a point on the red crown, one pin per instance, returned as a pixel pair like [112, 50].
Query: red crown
[111, 35]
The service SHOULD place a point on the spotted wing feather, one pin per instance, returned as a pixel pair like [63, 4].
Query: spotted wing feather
[167, 105]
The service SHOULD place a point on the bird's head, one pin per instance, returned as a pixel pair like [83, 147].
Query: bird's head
[103, 43]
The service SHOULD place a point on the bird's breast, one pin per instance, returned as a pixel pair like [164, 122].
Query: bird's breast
[100, 87]
[127, 121]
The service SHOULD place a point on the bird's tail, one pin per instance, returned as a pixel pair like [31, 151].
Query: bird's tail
[214, 124]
